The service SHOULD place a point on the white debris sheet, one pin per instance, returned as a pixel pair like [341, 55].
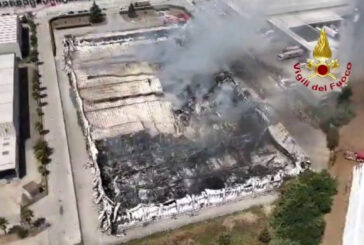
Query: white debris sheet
[123, 99]
[282, 137]
[155, 116]
[354, 225]
[122, 90]
[102, 73]
[193, 203]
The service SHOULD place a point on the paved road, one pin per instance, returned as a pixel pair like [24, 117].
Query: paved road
[60, 205]
[351, 137]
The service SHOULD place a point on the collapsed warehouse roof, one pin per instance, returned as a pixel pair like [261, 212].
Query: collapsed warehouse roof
[156, 159]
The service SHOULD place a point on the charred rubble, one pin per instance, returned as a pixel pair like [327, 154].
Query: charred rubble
[227, 126]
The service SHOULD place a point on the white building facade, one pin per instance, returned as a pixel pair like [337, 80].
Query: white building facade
[9, 123]
[354, 225]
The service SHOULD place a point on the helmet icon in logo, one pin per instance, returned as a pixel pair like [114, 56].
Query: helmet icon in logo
[321, 65]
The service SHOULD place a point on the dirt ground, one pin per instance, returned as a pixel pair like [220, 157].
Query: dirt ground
[351, 138]
[244, 228]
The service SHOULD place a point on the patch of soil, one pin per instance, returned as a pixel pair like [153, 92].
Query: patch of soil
[351, 138]
[248, 217]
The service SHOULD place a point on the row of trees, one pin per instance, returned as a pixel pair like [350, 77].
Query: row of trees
[42, 151]
[27, 223]
[33, 56]
[96, 15]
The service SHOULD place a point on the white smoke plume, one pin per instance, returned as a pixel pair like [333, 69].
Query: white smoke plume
[211, 40]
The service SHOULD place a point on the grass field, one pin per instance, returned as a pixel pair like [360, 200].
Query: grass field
[243, 227]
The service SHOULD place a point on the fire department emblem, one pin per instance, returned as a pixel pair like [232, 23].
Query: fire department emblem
[321, 64]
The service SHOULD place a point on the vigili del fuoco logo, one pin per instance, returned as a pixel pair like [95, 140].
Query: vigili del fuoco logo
[321, 70]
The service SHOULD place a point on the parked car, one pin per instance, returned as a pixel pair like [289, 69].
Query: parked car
[290, 54]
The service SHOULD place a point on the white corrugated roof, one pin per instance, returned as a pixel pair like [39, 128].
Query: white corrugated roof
[8, 29]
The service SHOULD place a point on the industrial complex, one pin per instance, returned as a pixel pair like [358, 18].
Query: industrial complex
[120, 120]
[154, 160]
[9, 105]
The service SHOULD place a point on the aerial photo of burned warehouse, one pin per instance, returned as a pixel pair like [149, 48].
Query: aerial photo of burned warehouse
[170, 129]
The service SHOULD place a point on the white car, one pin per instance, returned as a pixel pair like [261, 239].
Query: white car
[286, 83]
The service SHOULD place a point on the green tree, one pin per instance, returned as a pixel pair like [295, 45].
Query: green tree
[3, 224]
[39, 222]
[32, 26]
[33, 40]
[280, 241]
[36, 95]
[131, 11]
[36, 87]
[42, 151]
[39, 111]
[33, 55]
[43, 170]
[224, 239]
[264, 236]
[36, 78]
[332, 138]
[24, 19]
[96, 15]
[322, 187]
[22, 232]
[27, 215]
[38, 126]
[299, 213]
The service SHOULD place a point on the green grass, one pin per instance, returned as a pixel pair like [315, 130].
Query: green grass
[242, 229]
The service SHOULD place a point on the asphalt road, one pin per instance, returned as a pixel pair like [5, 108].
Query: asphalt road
[59, 207]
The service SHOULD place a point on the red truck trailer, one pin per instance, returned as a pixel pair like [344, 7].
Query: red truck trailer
[355, 156]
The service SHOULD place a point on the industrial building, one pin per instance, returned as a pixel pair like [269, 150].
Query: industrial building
[10, 35]
[8, 116]
[305, 27]
[354, 227]
[159, 152]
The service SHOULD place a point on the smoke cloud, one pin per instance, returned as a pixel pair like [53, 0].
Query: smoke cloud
[210, 41]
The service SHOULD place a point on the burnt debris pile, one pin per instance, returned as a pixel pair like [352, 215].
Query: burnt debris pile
[220, 129]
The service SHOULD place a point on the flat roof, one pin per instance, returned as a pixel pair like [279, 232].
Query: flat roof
[7, 63]
[297, 26]
[284, 6]
[7, 129]
[8, 29]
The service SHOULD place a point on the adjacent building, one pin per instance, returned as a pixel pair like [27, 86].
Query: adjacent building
[354, 225]
[10, 42]
[8, 116]
[10, 35]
